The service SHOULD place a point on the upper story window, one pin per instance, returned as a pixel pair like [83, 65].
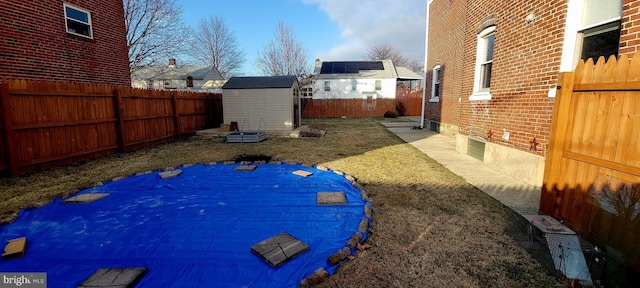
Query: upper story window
[435, 83]
[354, 85]
[484, 64]
[327, 85]
[603, 40]
[78, 21]
[189, 81]
[599, 33]
[378, 84]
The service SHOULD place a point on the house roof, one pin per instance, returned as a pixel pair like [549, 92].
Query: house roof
[176, 73]
[378, 69]
[259, 82]
[406, 74]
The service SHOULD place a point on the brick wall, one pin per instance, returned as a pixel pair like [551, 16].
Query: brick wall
[35, 44]
[446, 43]
[630, 30]
[525, 66]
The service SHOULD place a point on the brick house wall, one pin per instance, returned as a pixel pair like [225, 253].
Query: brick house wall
[446, 33]
[630, 31]
[529, 54]
[36, 45]
[525, 66]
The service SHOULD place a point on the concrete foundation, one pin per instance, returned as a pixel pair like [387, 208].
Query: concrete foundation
[520, 165]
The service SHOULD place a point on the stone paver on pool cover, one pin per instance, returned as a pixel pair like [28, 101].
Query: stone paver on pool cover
[14, 248]
[85, 198]
[114, 278]
[245, 168]
[331, 198]
[279, 249]
[169, 174]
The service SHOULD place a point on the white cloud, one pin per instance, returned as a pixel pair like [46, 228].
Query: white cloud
[365, 23]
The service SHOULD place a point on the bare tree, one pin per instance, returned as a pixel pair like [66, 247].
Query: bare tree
[386, 51]
[283, 55]
[216, 45]
[155, 31]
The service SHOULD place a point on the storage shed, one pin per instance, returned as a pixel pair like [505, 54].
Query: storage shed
[262, 103]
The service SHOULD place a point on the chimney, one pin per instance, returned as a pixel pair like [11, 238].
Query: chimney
[172, 62]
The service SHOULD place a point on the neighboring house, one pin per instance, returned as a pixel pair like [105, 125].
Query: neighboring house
[172, 76]
[78, 41]
[492, 70]
[358, 79]
[269, 104]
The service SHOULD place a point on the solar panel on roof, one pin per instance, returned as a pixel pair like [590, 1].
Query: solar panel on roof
[350, 67]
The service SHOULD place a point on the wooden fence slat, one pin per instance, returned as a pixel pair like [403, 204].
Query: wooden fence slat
[122, 142]
[176, 117]
[7, 127]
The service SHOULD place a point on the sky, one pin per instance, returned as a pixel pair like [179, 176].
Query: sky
[330, 30]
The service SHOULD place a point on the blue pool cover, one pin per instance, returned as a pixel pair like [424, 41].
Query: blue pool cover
[194, 230]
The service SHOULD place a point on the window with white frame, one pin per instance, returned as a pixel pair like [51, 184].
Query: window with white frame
[78, 21]
[484, 64]
[599, 33]
[435, 83]
[327, 85]
[599, 41]
[354, 85]
[149, 84]
[378, 85]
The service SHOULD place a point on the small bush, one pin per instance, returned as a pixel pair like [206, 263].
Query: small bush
[310, 132]
[400, 108]
[318, 125]
[390, 114]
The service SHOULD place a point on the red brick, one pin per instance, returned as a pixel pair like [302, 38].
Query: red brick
[42, 49]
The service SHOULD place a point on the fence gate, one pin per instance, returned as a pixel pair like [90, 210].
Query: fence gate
[592, 171]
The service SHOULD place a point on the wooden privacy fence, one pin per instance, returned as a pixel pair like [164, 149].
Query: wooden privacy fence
[592, 171]
[358, 108]
[46, 124]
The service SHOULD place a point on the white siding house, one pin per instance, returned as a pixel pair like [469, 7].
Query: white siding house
[262, 103]
[357, 80]
[172, 76]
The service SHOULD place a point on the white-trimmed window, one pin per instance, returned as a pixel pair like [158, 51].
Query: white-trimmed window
[149, 84]
[378, 85]
[599, 33]
[588, 23]
[484, 65]
[78, 21]
[327, 85]
[435, 83]
[354, 85]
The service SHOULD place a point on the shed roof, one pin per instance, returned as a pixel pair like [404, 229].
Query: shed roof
[260, 82]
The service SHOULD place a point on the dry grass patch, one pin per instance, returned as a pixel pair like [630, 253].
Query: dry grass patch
[430, 228]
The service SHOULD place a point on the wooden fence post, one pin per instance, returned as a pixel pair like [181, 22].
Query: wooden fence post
[7, 125]
[556, 142]
[119, 120]
[176, 117]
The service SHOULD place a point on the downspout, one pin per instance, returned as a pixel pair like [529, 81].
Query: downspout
[426, 49]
